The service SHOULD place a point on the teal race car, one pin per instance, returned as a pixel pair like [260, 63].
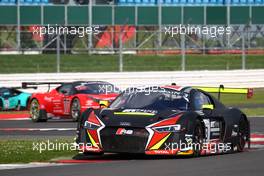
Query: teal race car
[13, 99]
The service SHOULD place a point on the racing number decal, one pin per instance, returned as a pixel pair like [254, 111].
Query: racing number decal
[66, 104]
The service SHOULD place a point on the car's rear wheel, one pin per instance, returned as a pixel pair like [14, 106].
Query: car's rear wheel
[1, 105]
[75, 109]
[36, 114]
[198, 137]
[242, 135]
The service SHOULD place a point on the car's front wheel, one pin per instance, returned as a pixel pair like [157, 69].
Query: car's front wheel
[198, 137]
[36, 114]
[75, 109]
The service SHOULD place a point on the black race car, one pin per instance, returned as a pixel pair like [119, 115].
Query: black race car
[169, 120]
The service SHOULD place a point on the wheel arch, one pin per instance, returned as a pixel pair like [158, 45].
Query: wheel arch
[244, 117]
[40, 99]
[188, 120]
[203, 124]
[23, 99]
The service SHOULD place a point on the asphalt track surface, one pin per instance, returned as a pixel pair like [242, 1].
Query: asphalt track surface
[66, 128]
[238, 164]
[50, 129]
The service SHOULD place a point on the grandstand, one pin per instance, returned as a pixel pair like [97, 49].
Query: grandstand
[190, 2]
[25, 2]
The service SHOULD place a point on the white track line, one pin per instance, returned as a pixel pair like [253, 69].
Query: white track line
[30, 165]
[256, 139]
[15, 119]
[37, 129]
[256, 146]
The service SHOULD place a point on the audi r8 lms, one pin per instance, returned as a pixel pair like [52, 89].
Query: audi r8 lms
[13, 99]
[169, 120]
[70, 99]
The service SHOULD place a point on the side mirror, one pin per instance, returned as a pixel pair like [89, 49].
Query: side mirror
[64, 92]
[103, 104]
[207, 107]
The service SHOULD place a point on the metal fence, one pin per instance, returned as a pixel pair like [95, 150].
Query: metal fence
[132, 30]
[149, 24]
[139, 40]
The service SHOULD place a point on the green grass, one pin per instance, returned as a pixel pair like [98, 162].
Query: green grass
[107, 63]
[21, 151]
[238, 99]
[253, 112]
[249, 106]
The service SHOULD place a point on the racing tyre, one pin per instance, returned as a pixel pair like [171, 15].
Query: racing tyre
[198, 137]
[75, 109]
[242, 135]
[37, 114]
[1, 105]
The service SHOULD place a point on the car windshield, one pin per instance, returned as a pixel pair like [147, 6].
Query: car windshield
[96, 88]
[159, 100]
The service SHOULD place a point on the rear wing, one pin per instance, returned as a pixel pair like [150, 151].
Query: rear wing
[222, 89]
[21, 87]
[27, 85]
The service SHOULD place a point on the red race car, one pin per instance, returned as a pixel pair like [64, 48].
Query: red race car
[70, 99]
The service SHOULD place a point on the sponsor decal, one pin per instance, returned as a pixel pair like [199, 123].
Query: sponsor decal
[161, 152]
[214, 124]
[48, 99]
[141, 110]
[123, 131]
[66, 104]
[234, 133]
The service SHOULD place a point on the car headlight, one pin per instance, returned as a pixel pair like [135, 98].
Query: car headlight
[169, 128]
[90, 125]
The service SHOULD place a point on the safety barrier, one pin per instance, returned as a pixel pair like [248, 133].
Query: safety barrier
[232, 78]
